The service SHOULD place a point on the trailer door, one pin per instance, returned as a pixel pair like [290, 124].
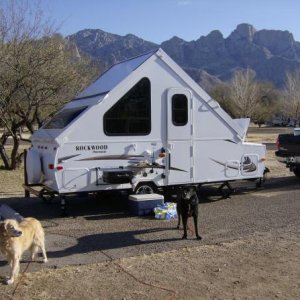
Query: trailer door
[179, 166]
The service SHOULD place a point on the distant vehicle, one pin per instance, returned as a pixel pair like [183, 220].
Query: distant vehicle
[292, 122]
[289, 151]
[279, 120]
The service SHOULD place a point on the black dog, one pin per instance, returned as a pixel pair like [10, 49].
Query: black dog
[187, 206]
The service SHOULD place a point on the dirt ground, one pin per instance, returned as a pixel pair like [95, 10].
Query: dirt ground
[264, 266]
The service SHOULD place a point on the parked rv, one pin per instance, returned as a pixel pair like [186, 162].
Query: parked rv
[143, 125]
[279, 120]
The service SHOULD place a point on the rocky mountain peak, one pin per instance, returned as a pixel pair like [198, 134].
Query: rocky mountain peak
[107, 47]
[243, 31]
[277, 41]
[215, 35]
[213, 39]
[175, 40]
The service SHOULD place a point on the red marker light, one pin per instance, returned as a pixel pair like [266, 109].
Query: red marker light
[59, 168]
[51, 166]
[277, 144]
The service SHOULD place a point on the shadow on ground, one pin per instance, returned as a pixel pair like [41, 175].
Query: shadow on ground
[115, 205]
[107, 241]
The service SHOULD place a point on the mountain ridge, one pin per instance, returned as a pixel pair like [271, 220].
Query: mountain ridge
[208, 60]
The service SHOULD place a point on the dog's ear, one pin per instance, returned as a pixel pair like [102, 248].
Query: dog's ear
[5, 225]
[2, 227]
[8, 222]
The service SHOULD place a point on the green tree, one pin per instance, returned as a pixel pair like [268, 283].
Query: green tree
[269, 103]
[221, 93]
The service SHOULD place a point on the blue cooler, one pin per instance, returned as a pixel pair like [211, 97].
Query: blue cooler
[144, 204]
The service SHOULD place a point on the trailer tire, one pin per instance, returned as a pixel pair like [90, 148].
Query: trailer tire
[47, 198]
[145, 188]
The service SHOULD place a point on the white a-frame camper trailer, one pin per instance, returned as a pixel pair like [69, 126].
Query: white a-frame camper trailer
[143, 124]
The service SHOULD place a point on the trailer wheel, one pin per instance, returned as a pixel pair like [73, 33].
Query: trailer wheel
[47, 198]
[145, 188]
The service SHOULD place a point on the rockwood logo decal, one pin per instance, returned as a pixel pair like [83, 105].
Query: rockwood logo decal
[90, 147]
[94, 148]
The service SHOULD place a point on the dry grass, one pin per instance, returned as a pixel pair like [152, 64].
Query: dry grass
[262, 138]
[261, 266]
[11, 181]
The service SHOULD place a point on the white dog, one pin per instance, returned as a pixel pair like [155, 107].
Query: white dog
[15, 238]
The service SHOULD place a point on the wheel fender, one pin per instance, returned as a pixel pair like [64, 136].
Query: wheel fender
[148, 183]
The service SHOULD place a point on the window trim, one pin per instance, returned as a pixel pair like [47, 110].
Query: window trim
[149, 119]
[186, 111]
[78, 110]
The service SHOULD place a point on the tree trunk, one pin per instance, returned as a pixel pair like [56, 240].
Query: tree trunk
[29, 126]
[38, 119]
[3, 153]
[4, 157]
[15, 159]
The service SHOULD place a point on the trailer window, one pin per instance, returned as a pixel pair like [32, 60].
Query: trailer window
[131, 115]
[64, 117]
[179, 110]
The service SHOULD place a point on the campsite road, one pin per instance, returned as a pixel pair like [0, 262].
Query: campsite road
[102, 229]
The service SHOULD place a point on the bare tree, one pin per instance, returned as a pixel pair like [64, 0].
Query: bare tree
[291, 94]
[269, 103]
[37, 73]
[244, 93]
[221, 93]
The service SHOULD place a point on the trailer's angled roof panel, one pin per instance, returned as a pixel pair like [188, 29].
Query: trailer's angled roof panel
[118, 72]
[113, 76]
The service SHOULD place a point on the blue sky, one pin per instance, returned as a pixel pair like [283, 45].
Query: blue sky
[159, 20]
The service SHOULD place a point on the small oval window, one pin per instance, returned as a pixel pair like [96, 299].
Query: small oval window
[179, 110]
